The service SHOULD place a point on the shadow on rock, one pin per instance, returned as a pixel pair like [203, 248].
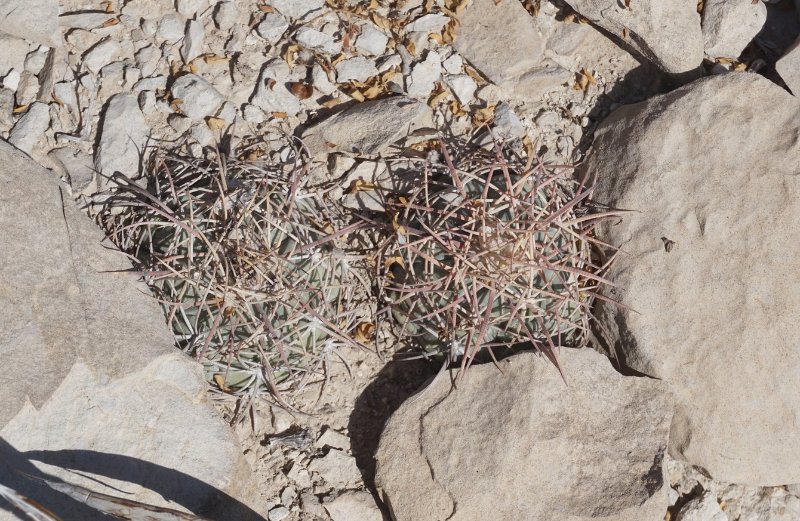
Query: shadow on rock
[195, 495]
[395, 383]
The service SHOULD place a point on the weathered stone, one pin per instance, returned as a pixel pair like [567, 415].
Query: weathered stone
[354, 505]
[500, 40]
[80, 342]
[424, 75]
[225, 15]
[371, 40]
[666, 32]
[709, 174]
[190, 8]
[30, 128]
[317, 41]
[77, 167]
[123, 136]
[272, 93]
[193, 41]
[34, 20]
[358, 68]
[337, 468]
[13, 56]
[272, 27]
[703, 508]
[368, 128]
[298, 9]
[522, 444]
[199, 99]
[729, 25]
[102, 54]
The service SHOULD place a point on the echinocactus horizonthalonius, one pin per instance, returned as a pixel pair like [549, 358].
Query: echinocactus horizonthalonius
[245, 265]
[491, 251]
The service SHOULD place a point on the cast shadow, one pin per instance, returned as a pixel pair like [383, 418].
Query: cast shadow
[195, 495]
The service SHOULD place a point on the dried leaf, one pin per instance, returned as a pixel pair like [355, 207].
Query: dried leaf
[372, 92]
[330, 103]
[108, 6]
[270, 83]
[20, 109]
[216, 124]
[176, 104]
[220, 381]
[380, 21]
[110, 22]
[364, 332]
[628, 5]
[280, 115]
[290, 54]
[266, 9]
[213, 59]
[359, 185]
[438, 98]
[356, 95]
[483, 116]
[301, 90]
[740, 67]
[624, 33]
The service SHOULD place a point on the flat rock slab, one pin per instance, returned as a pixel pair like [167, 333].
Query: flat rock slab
[666, 32]
[34, 20]
[92, 380]
[710, 266]
[523, 445]
[368, 128]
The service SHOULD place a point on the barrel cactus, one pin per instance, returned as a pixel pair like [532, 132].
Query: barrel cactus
[245, 265]
[491, 251]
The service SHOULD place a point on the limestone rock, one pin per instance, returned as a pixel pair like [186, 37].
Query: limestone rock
[34, 20]
[123, 136]
[199, 98]
[666, 32]
[710, 253]
[354, 506]
[84, 344]
[523, 445]
[30, 128]
[729, 25]
[368, 128]
[272, 93]
[298, 9]
[703, 508]
[500, 40]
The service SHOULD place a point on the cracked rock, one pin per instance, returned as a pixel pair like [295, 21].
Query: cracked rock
[317, 41]
[358, 68]
[729, 25]
[199, 98]
[225, 15]
[123, 136]
[424, 75]
[368, 128]
[101, 54]
[30, 128]
[193, 41]
[297, 9]
[272, 27]
[34, 20]
[271, 93]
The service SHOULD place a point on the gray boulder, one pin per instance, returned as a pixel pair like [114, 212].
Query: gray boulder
[92, 380]
[666, 32]
[708, 274]
[522, 444]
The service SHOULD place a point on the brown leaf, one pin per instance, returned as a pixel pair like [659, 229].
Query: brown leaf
[364, 332]
[110, 22]
[220, 381]
[330, 103]
[266, 9]
[628, 5]
[359, 185]
[20, 109]
[280, 115]
[213, 59]
[372, 92]
[176, 104]
[301, 90]
[108, 6]
[216, 124]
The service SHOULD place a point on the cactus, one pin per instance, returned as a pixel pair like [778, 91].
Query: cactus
[491, 251]
[245, 266]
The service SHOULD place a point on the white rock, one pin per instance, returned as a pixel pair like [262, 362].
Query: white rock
[652, 28]
[703, 508]
[565, 455]
[65, 92]
[789, 67]
[311, 505]
[253, 114]
[200, 98]
[453, 64]
[225, 15]
[77, 166]
[181, 124]
[299, 476]
[759, 503]
[171, 28]
[317, 41]
[101, 54]
[463, 86]
[11, 79]
[151, 83]
[298, 9]
[147, 102]
[271, 93]
[729, 25]
[6, 109]
[147, 59]
[429, 23]
[278, 513]
[320, 80]
[331, 438]
[35, 60]
[371, 40]
[735, 247]
[30, 128]
[354, 506]
[506, 122]
[357, 68]
[499, 40]
[193, 41]
[368, 128]
[227, 112]
[424, 75]
[123, 136]
[27, 88]
[388, 62]
[337, 468]
[272, 27]
[203, 135]
[83, 20]
[189, 8]
[14, 52]
[34, 20]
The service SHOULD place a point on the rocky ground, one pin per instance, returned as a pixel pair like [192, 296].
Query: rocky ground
[88, 87]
